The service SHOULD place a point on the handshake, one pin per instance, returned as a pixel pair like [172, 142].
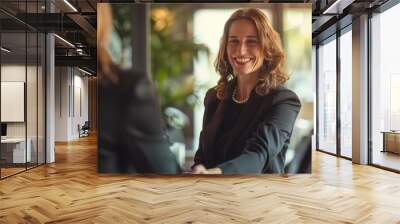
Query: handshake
[201, 169]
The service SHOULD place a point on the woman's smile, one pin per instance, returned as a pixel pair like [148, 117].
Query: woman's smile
[243, 60]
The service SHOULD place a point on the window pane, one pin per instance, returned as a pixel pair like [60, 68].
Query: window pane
[386, 89]
[327, 97]
[13, 87]
[41, 98]
[31, 97]
[346, 94]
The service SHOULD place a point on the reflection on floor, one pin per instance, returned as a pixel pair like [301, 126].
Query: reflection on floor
[346, 152]
[387, 159]
[10, 169]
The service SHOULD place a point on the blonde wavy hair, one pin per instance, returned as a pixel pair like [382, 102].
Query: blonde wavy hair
[272, 72]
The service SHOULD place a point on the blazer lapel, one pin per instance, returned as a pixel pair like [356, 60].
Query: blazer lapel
[249, 115]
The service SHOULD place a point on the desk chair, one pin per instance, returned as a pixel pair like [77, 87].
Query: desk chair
[84, 130]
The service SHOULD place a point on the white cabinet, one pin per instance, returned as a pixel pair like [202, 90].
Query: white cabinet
[17, 146]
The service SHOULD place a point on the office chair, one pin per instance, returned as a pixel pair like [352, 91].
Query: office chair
[84, 130]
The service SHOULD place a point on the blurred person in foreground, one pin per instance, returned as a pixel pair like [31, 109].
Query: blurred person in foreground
[130, 135]
[249, 116]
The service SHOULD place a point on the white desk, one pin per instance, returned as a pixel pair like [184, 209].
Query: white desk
[18, 149]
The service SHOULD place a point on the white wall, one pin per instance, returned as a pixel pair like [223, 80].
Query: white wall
[16, 73]
[71, 102]
[81, 104]
[61, 103]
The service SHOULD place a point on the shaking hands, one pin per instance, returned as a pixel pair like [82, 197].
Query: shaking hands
[201, 169]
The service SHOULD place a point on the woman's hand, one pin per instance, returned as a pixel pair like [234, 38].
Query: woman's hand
[215, 170]
[201, 169]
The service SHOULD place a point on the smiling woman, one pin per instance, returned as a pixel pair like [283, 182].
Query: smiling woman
[249, 115]
[244, 55]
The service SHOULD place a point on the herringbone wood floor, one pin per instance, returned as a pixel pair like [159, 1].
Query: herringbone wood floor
[70, 191]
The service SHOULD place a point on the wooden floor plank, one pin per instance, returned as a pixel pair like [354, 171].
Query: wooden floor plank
[71, 191]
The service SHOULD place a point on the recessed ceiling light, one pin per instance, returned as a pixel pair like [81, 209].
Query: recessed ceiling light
[337, 7]
[70, 5]
[5, 50]
[84, 71]
[64, 40]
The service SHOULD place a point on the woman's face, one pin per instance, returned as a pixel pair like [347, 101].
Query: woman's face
[244, 48]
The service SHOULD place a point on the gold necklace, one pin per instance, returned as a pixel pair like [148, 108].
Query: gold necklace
[234, 95]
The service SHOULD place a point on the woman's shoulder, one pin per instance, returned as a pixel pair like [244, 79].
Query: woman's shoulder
[283, 94]
[211, 95]
[283, 90]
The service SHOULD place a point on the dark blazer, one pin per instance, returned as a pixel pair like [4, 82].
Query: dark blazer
[130, 135]
[260, 138]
